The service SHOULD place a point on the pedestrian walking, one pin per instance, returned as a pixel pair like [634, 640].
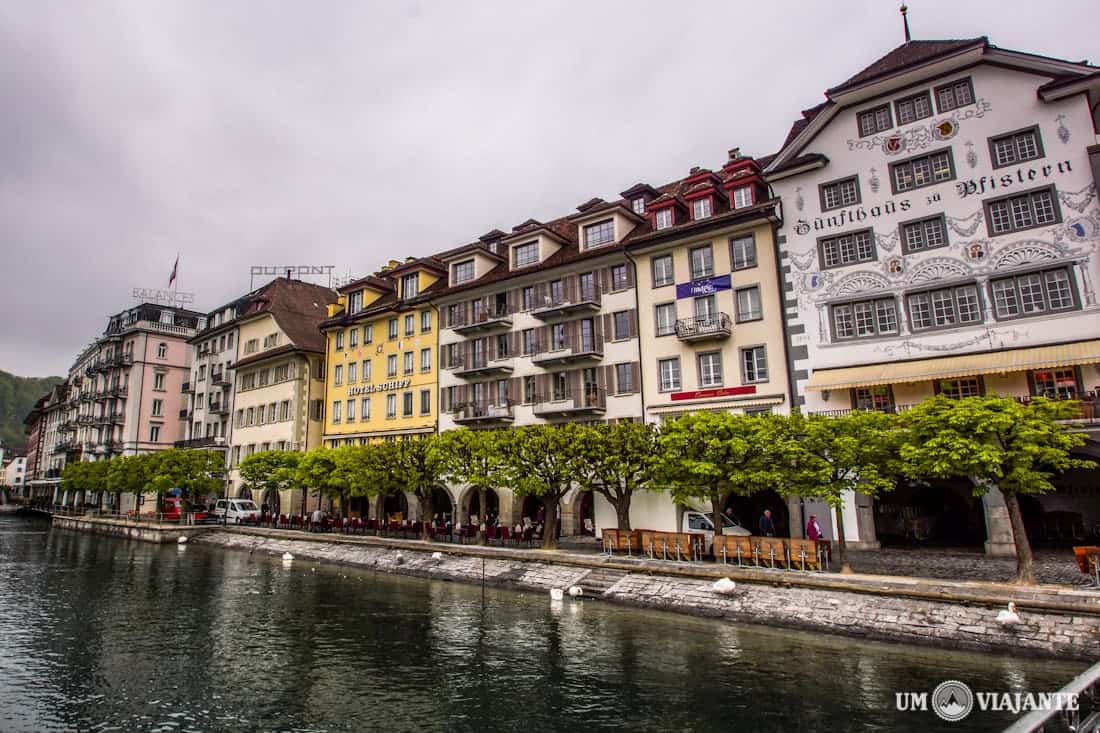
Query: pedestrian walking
[767, 526]
[813, 529]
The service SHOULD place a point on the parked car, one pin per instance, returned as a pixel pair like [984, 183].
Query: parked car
[172, 510]
[700, 522]
[235, 511]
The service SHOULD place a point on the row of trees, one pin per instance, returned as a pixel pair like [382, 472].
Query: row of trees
[197, 473]
[995, 442]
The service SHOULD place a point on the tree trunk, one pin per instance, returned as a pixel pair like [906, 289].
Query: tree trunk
[483, 515]
[426, 516]
[622, 509]
[1025, 564]
[841, 543]
[550, 521]
[715, 515]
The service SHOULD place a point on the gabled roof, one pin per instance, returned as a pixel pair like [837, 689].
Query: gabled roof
[298, 307]
[912, 53]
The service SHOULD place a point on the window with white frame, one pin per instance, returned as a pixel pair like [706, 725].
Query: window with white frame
[710, 369]
[426, 360]
[875, 120]
[1055, 383]
[953, 95]
[958, 389]
[355, 302]
[665, 318]
[337, 407]
[425, 321]
[407, 404]
[864, 318]
[624, 378]
[365, 370]
[407, 362]
[425, 401]
[339, 340]
[350, 408]
[621, 324]
[158, 408]
[1033, 293]
[743, 252]
[879, 397]
[1016, 147]
[663, 219]
[154, 433]
[353, 372]
[702, 208]
[338, 375]
[930, 233]
[368, 335]
[158, 382]
[638, 205]
[923, 170]
[944, 307]
[410, 286]
[391, 406]
[669, 374]
[1022, 211]
[754, 365]
[364, 408]
[284, 410]
[525, 254]
[749, 307]
[847, 249]
[913, 108]
[662, 271]
[391, 329]
[599, 233]
[391, 365]
[353, 338]
[162, 351]
[702, 262]
[620, 279]
[742, 197]
[840, 193]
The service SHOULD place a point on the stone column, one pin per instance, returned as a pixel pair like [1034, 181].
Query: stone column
[794, 514]
[859, 522]
[998, 528]
[510, 507]
[569, 517]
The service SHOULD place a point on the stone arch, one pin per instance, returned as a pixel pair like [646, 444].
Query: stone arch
[577, 506]
[1024, 253]
[937, 268]
[858, 282]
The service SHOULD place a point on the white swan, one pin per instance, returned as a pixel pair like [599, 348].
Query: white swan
[182, 540]
[437, 555]
[576, 590]
[287, 557]
[725, 586]
[1008, 617]
[556, 594]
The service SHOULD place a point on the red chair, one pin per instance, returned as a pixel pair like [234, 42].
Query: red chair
[505, 535]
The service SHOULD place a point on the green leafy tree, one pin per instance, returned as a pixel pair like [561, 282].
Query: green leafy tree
[379, 470]
[128, 475]
[544, 461]
[706, 455]
[270, 470]
[473, 457]
[315, 473]
[420, 463]
[618, 460]
[998, 443]
[831, 456]
[196, 473]
[85, 476]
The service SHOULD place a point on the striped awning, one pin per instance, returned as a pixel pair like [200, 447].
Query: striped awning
[948, 367]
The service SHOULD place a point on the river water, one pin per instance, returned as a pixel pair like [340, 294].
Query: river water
[101, 634]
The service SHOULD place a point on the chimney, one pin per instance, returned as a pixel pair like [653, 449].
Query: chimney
[694, 169]
[735, 154]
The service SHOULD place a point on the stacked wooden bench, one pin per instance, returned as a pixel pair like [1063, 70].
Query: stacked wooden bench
[762, 552]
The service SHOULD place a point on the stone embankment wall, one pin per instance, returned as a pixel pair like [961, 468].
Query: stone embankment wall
[877, 615]
[144, 531]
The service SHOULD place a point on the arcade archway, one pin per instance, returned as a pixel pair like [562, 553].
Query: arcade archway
[941, 512]
[748, 510]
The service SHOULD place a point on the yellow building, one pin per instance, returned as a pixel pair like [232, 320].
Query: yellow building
[381, 347]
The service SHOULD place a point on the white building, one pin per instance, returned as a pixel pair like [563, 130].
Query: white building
[940, 236]
[15, 474]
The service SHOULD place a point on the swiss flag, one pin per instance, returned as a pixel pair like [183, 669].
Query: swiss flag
[175, 268]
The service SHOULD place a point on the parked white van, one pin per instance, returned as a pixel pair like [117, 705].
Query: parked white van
[235, 511]
[700, 522]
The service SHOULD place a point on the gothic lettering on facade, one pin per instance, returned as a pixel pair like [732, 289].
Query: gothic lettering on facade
[1018, 177]
[848, 217]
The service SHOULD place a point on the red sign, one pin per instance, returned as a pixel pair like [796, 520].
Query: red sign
[700, 394]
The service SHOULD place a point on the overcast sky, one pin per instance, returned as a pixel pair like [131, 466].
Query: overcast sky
[349, 133]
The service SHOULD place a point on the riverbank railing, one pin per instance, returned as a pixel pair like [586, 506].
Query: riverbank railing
[1063, 715]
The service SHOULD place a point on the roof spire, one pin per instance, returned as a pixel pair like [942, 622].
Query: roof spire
[905, 20]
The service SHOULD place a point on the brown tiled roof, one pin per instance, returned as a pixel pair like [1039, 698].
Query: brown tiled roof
[908, 54]
[298, 307]
[1063, 80]
[388, 302]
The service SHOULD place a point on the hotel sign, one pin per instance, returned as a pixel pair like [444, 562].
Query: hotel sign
[705, 286]
[163, 297]
[700, 394]
[382, 387]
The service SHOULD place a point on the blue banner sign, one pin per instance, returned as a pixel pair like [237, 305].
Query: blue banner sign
[706, 286]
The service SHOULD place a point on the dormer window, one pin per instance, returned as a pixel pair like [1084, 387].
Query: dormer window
[410, 286]
[462, 272]
[742, 197]
[525, 254]
[702, 208]
[600, 233]
[355, 302]
[638, 205]
[663, 219]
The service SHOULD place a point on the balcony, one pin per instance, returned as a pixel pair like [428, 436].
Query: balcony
[103, 394]
[568, 301]
[117, 418]
[570, 351]
[68, 426]
[119, 390]
[216, 408]
[85, 420]
[219, 378]
[478, 414]
[207, 442]
[88, 446]
[589, 401]
[65, 446]
[482, 366]
[714, 327]
[186, 388]
[53, 473]
[104, 419]
[185, 414]
[87, 396]
[484, 320]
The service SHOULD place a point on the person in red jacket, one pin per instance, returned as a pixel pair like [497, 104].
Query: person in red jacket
[813, 529]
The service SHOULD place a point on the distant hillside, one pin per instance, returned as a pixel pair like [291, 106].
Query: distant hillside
[17, 397]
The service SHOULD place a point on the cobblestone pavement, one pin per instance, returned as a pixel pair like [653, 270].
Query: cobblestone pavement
[1051, 566]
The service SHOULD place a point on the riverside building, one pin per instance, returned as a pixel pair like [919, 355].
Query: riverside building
[279, 373]
[940, 236]
[381, 336]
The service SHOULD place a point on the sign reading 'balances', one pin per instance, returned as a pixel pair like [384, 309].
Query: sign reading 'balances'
[382, 387]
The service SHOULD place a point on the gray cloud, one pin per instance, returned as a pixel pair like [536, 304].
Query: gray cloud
[349, 133]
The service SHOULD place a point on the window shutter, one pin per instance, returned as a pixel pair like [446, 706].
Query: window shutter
[513, 300]
[603, 279]
[606, 375]
[542, 388]
[515, 389]
[608, 322]
[632, 323]
[630, 279]
[460, 396]
[636, 376]
[573, 382]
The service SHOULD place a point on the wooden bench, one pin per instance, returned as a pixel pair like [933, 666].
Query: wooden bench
[805, 554]
[735, 548]
[621, 540]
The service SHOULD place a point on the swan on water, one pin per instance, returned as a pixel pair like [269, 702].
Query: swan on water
[437, 555]
[576, 590]
[182, 540]
[556, 594]
[1008, 617]
[287, 557]
[725, 586]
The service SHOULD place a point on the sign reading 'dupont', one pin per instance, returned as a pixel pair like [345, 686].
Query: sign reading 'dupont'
[382, 387]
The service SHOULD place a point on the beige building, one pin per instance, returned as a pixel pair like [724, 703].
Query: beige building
[280, 379]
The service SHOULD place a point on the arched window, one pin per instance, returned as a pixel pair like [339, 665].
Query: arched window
[162, 351]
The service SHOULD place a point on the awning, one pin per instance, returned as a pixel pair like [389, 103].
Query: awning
[683, 408]
[947, 367]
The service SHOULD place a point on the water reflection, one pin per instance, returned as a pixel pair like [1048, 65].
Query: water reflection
[103, 634]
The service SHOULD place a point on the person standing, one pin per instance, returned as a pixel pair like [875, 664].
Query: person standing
[767, 526]
[813, 529]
